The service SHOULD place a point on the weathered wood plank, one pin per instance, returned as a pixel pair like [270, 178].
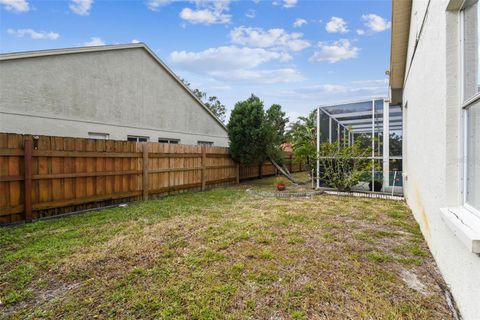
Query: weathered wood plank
[27, 173]
[7, 211]
[86, 153]
[204, 167]
[79, 175]
[145, 172]
[174, 154]
[65, 203]
[11, 152]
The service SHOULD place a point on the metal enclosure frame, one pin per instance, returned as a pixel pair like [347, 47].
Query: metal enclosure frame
[364, 121]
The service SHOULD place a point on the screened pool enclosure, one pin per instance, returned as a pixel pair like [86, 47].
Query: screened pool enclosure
[373, 123]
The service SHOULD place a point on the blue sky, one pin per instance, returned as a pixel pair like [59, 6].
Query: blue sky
[297, 53]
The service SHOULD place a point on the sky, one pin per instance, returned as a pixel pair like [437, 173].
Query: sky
[297, 53]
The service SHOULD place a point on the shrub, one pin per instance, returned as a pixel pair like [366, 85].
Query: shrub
[343, 166]
[255, 134]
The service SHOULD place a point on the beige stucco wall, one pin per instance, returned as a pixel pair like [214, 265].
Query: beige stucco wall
[120, 92]
[432, 146]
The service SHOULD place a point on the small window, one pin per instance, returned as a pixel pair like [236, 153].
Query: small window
[98, 135]
[206, 143]
[137, 138]
[168, 140]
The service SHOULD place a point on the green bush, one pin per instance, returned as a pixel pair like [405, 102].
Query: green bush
[343, 166]
[255, 134]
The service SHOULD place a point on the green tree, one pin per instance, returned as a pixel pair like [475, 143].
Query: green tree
[277, 119]
[275, 122]
[302, 135]
[247, 132]
[216, 107]
[395, 144]
[212, 103]
[255, 134]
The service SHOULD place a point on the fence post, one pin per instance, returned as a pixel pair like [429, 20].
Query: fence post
[145, 171]
[238, 173]
[204, 167]
[291, 163]
[27, 172]
[260, 171]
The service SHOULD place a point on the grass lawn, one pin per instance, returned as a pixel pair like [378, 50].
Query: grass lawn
[223, 254]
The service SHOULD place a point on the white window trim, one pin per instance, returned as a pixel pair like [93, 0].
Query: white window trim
[106, 136]
[464, 221]
[464, 225]
[465, 104]
[137, 137]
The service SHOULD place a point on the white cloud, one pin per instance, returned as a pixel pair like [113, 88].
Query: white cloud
[250, 14]
[208, 12]
[231, 63]
[335, 51]
[203, 16]
[94, 41]
[218, 88]
[376, 23]
[16, 5]
[289, 3]
[272, 38]
[336, 25]
[224, 58]
[36, 35]
[360, 32]
[299, 22]
[136, 41]
[81, 7]
[154, 5]
[329, 88]
[365, 88]
[303, 96]
[285, 75]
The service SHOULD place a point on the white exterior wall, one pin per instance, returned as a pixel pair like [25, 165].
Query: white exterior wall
[120, 92]
[432, 146]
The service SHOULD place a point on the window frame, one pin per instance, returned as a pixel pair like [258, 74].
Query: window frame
[138, 137]
[169, 140]
[97, 135]
[204, 143]
[465, 104]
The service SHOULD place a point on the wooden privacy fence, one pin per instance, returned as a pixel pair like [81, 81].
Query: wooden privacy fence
[46, 176]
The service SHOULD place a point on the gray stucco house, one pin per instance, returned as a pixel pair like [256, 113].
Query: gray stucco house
[122, 92]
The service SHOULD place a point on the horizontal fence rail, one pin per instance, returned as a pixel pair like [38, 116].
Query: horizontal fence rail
[47, 176]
